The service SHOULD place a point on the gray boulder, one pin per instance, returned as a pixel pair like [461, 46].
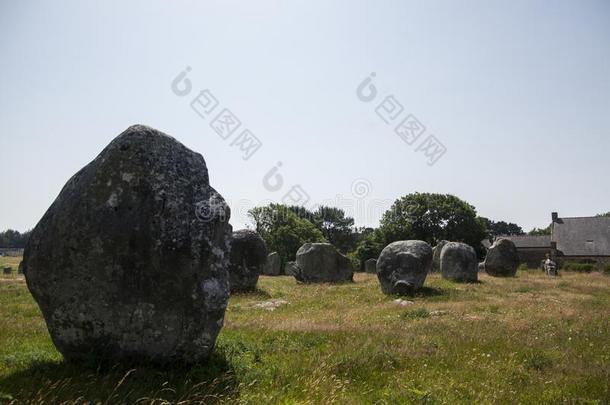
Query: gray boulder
[502, 259]
[322, 263]
[403, 266]
[291, 268]
[436, 255]
[370, 266]
[273, 266]
[130, 261]
[248, 256]
[459, 262]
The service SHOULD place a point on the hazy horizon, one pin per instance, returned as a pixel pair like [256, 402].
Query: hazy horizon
[518, 93]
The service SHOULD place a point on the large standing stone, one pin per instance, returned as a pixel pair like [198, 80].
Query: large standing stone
[502, 259]
[248, 256]
[273, 266]
[370, 266]
[130, 260]
[290, 269]
[322, 263]
[403, 266]
[459, 262]
[436, 255]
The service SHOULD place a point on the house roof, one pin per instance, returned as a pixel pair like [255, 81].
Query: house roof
[530, 241]
[582, 236]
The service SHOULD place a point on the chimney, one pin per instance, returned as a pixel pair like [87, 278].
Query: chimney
[554, 216]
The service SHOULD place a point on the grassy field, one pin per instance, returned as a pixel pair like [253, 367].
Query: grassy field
[527, 339]
[12, 262]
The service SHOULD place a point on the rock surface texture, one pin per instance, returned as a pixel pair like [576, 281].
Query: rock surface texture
[273, 266]
[436, 255]
[502, 259]
[459, 262]
[248, 257]
[290, 269]
[370, 266]
[403, 266]
[322, 263]
[130, 261]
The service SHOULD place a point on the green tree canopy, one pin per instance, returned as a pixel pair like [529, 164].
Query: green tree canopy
[501, 228]
[13, 239]
[283, 230]
[431, 218]
[540, 231]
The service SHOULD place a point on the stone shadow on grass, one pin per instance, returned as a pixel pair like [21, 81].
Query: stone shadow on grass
[127, 382]
[257, 293]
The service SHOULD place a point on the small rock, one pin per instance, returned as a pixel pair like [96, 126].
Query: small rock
[437, 313]
[270, 305]
[403, 303]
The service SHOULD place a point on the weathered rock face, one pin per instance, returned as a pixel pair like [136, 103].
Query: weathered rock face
[322, 263]
[403, 266]
[248, 257]
[459, 262]
[436, 255]
[290, 269]
[273, 266]
[502, 259]
[370, 266]
[130, 260]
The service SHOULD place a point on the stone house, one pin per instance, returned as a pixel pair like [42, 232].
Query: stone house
[572, 239]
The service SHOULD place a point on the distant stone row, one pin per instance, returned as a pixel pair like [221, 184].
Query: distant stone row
[401, 268]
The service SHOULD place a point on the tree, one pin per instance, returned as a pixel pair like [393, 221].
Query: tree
[370, 247]
[283, 231]
[607, 214]
[13, 239]
[336, 227]
[540, 231]
[431, 218]
[501, 228]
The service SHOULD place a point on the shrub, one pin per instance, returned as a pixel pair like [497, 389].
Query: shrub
[579, 267]
[606, 270]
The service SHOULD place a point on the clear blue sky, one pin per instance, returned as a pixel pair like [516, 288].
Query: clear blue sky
[517, 91]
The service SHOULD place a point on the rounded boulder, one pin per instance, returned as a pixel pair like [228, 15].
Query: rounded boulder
[459, 262]
[248, 257]
[322, 263]
[130, 261]
[403, 266]
[502, 259]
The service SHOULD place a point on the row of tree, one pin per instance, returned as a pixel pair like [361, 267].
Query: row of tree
[13, 239]
[423, 216]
